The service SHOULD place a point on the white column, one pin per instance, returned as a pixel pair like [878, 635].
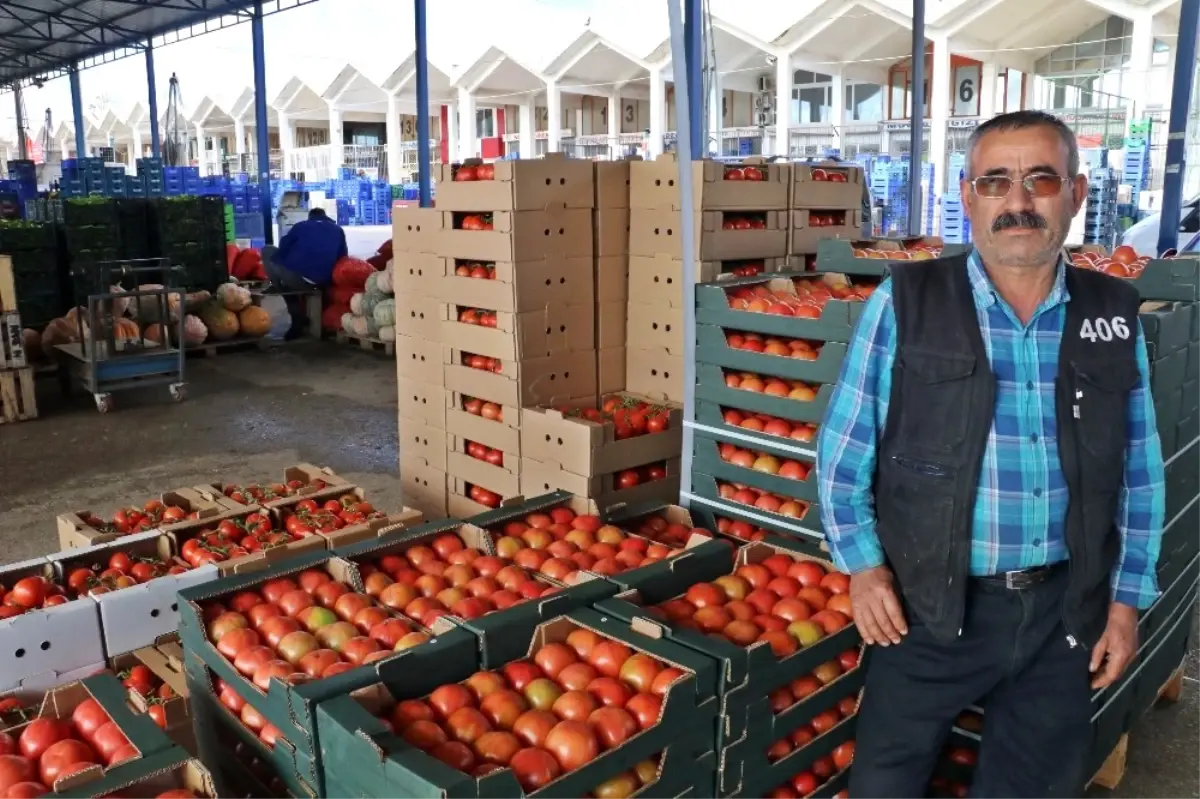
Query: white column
[525, 128]
[135, 145]
[467, 145]
[239, 137]
[553, 117]
[395, 158]
[1141, 55]
[658, 112]
[837, 105]
[715, 121]
[783, 104]
[614, 124]
[988, 86]
[336, 140]
[200, 141]
[939, 118]
[287, 142]
[452, 143]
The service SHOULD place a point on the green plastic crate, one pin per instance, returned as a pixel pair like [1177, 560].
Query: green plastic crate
[712, 346]
[710, 385]
[807, 528]
[835, 323]
[707, 459]
[710, 421]
[837, 255]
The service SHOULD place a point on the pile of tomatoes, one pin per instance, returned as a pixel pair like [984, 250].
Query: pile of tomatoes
[150, 516]
[742, 220]
[764, 462]
[474, 221]
[740, 529]
[255, 494]
[476, 270]
[482, 452]
[309, 516]
[233, 538]
[1124, 262]
[30, 593]
[658, 527]
[798, 348]
[477, 316]
[488, 410]
[763, 500]
[770, 425]
[465, 173]
[826, 218]
[806, 782]
[771, 386]
[800, 689]
[753, 173]
[790, 603]
[547, 716]
[482, 363]
[122, 570]
[810, 296]
[628, 478]
[140, 679]
[481, 495]
[629, 416]
[48, 749]
[246, 714]
[826, 175]
[743, 268]
[919, 251]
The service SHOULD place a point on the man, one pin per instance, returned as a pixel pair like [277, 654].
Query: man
[992, 479]
[304, 258]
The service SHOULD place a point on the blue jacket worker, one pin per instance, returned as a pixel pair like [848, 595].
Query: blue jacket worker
[303, 260]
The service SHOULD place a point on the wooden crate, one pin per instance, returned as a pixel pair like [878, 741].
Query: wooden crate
[8, 286]
[17, 400]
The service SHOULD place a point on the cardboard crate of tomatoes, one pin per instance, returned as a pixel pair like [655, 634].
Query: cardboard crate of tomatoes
[826, 185]
[750, 185]
[270, 645]
[452, 570]
[49, 633]
[658, 278]
[303, 479]
[85, 528]
[610, 233]
[133, 581]
[157, 687]
[530, 184]
[591, 706]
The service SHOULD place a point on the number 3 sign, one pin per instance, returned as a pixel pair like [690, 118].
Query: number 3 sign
[1104, 329]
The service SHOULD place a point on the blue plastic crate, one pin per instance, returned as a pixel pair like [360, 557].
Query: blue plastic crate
[247, 226]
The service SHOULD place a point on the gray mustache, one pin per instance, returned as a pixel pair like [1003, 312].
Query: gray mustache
[1022, 219]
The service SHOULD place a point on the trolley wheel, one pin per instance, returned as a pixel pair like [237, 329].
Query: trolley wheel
[178, 392]
[104, 402]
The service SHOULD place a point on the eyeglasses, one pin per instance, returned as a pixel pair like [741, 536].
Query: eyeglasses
[1039, 184]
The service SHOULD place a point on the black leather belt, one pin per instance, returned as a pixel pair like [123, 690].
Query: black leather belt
[1020, 580]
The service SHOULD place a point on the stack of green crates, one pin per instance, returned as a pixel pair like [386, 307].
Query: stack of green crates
[230, 232]
[190, 232]
[92, 229]
[42, 292]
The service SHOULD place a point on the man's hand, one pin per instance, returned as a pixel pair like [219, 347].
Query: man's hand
[1116, 647]
[877, 610]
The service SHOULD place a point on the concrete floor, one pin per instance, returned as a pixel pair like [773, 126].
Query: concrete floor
[249, 415]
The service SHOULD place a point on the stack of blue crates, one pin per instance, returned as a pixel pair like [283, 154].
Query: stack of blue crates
[181, 180]
[1136, 172]
[82, 176]
[956, 228]
[22, 181]
[1101, 214]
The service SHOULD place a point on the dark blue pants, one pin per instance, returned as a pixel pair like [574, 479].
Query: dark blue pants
[1013, 657]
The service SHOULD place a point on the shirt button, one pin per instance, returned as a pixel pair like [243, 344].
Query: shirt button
[1034, 438]
[1037, 492]
[1037, 542]
[1029, 385]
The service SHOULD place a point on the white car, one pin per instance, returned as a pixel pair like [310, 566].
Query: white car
[1143, 236]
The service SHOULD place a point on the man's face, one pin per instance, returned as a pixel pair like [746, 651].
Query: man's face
[1022, 229]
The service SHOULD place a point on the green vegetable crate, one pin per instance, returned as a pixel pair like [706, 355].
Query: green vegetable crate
[21, 236]
[837, 255]
[835, 322]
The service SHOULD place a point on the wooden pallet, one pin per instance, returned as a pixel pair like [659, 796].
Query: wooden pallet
[210, 348]
[18, 402]
[371, 344]
[1113, 770]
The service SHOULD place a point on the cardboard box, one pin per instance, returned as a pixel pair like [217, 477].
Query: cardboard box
[610, 325]
[519, 287]
[423, 487]
[612, 278]
[612, 183]
[422, 402]
[610, 370]
[827, 185]
[41, 648]
[459, 505]
[552, 330]
[315, 482]
[804, 235]
[502, 478]
[415, 230]
[534, 381]
[610, 229]
[75, 531]
[539, 478]
[517, 235]
[657, 232]
[659, 278]
[417, 273]
[657, 327]
[165, 661]
[418, 359]
[502, 434]
[655, 184]
[590, 448]
[350, 534]
[418, 316]
[550, 182]
[657, 374]
[424, 442]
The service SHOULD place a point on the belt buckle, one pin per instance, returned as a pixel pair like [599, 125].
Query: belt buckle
[1009, 582]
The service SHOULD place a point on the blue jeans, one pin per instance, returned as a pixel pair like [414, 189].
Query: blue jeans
[285, 280]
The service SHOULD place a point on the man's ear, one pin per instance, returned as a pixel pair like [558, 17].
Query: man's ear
[1079, 190]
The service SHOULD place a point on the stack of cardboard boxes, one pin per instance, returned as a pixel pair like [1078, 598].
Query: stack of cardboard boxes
[501, 315]
[741, 227]
[826, 202]
[610, 226]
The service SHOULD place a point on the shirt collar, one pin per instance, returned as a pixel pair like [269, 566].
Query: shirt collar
[985, 292]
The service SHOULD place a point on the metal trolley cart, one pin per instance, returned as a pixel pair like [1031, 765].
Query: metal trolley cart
[130, 329]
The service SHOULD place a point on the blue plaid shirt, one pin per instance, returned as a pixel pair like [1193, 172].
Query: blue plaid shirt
[1021, 505]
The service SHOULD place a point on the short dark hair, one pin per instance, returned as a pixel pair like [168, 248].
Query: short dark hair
[1020, 120]
[318, 213]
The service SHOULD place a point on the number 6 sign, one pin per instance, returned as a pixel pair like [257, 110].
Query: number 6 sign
[1104, 329]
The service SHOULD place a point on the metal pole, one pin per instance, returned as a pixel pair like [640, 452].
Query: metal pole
[262, 139]
[155, 144]
[693, 60]
[1181, 94]
[685, 102]
[915, 204]
[22, 145]
[424, 178]
[77, 113]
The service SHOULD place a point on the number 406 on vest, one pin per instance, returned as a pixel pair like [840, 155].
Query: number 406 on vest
[1104, 329]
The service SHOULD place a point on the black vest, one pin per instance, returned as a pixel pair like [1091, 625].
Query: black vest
[941, 411]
